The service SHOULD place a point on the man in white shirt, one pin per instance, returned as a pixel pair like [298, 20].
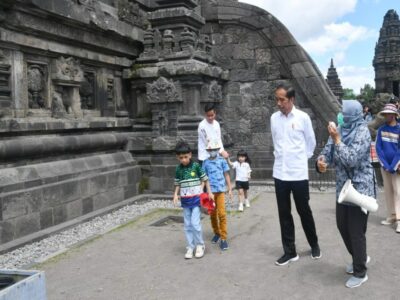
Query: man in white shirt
[209, 130]
[294, 143]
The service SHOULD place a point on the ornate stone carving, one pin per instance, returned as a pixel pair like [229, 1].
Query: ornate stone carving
[35, 86]
[215, 91]
[110, 91]
[86, 91]
[187, 39]
[162, 90]
[131, 13]
[67, 70]
[57, 106]
[168, 41]
[163, 122]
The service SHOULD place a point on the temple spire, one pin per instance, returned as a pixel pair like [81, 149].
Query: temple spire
[333, 81]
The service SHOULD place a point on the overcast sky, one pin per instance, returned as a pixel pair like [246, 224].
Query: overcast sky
[345, 30]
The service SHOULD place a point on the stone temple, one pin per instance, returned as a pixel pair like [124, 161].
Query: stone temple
[333, 80]
[387, 51]
[95, 94]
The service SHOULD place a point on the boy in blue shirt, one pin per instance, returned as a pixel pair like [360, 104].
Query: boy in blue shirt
[387, 149]
[217, 170]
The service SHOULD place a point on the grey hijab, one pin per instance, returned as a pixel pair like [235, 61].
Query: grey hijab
[352, 120]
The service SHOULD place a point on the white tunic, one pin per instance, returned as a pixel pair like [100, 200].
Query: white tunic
[294, 143]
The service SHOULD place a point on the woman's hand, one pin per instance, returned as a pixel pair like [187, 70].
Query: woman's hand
[334, 134]
[321, 164]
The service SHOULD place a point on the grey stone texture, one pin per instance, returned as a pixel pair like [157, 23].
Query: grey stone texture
[63, 190]
[386, 64]
[94, 96]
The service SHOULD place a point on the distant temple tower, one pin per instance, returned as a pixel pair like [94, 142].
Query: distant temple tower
[334, 82]
[387, 51]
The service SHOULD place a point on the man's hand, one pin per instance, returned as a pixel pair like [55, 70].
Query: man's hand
[224, 154]
[321, 164]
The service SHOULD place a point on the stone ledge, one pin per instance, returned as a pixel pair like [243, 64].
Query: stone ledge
[48, 124]
[9, 246]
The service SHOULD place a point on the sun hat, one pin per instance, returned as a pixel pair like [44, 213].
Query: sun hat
[212, 145]
[389, 108]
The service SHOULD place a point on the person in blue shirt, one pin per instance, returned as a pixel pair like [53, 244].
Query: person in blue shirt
[387, 149]
[217, 170]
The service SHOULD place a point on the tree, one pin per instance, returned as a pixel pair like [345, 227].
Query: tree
[367, 93]
[348, 94]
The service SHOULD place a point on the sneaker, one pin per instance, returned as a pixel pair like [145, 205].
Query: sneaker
[356, 281]
[247, 202]
[398, 227]
[388, 221]
[286, 258]
[189, 253]
[316, 253]
[349, 268]
[199, 253]
[215, 239]
[224, 245]
[240, 207]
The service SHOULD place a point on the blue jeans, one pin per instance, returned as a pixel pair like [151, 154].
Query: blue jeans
[192, 226]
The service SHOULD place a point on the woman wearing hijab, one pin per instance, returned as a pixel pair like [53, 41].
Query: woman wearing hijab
[348, 149]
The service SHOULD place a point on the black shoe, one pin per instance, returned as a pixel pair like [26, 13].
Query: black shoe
[215, 239]
[286, 258]
[224, 245]
[316, 253]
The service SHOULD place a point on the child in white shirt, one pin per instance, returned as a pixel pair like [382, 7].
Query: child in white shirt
[243, 172]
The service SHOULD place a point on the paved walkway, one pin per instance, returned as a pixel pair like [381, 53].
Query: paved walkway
[140, 261]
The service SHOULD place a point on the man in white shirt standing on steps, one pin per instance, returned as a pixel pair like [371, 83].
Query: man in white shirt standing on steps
[294, 143]
[209, 130]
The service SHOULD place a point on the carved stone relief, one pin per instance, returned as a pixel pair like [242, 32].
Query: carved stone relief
[36, 86]
[86, 91]
[5, 73]
[215, 91]
[67, 70]
[163, 90]
[131, 13]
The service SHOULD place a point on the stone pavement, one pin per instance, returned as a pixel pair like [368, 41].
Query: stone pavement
[139, 261]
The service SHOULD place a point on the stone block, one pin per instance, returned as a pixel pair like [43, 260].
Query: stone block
[22, 203]
[74, 209]
[113, 179]
[7, 231]
[60, 214]
[98, 184]
[263, 56]
[130, 190]
[27, 224]
[52, 195]
[87, 205]
[70, 190]
[46, 218]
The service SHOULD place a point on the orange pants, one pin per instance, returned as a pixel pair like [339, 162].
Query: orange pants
[218, 216]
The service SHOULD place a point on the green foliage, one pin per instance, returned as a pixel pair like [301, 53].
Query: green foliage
[367, 93]
[143, 184]
[348, 94]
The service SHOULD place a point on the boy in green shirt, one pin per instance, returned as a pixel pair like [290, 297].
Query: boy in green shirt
[189, 184]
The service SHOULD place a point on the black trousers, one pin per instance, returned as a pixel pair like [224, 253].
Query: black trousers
[352, 225]
[301, 196]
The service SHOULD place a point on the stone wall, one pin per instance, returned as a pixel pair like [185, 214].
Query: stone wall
[64, 122]
[260, 53]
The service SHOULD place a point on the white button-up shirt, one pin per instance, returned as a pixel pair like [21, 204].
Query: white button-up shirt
[294, 143]
[208, 132]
